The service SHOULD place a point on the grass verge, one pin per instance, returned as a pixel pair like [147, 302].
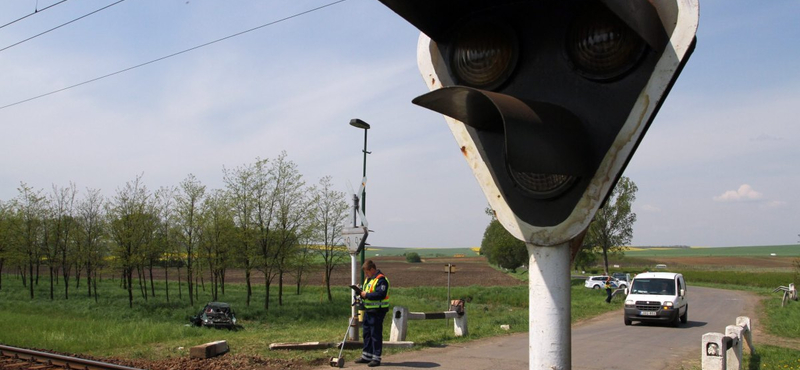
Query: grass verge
[156, 329]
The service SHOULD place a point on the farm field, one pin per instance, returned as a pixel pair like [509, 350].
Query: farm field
[431, 272]
[153, 333]
[750, 251]
[423, 252]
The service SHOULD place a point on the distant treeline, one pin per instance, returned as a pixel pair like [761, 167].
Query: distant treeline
[266, 220]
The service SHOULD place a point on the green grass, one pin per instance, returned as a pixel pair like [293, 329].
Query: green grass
[769, 280]
[751, 251]
[155, 329]
[771, 358]
[782, 321]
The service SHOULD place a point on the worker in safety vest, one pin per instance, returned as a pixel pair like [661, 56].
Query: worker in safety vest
[608, 289]
[375, 294]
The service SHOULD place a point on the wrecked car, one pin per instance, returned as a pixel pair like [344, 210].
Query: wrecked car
[215, 315]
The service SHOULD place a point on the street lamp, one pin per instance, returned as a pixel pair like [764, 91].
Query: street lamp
[357, 123]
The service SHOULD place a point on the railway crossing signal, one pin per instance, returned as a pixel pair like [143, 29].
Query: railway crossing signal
[548, 100]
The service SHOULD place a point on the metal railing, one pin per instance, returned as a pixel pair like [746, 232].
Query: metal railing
[789, 292]
[401, 315]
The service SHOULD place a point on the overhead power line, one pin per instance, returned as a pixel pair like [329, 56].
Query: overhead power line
[35, 12]
[62, 25]
[174, 54]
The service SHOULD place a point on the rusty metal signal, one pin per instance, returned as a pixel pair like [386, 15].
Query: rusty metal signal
[548, 100]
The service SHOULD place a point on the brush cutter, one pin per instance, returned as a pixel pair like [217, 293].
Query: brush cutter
[339, 361]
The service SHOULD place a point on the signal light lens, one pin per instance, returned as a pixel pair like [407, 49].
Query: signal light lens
[541, 186]
[484, 55]
[601, 46]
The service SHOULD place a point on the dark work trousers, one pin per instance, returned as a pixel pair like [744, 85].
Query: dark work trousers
[608, 294]
[373, 334]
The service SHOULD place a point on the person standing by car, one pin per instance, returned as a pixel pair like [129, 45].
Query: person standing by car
[608, 289]
[375, 293]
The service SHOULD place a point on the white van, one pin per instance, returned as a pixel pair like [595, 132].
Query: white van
[657, 297]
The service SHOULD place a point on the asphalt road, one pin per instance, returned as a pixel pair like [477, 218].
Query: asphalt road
[601, 343]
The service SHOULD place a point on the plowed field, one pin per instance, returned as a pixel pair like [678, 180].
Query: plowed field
[431, 272]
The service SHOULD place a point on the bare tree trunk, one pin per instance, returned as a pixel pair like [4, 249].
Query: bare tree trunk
[328, 284]
[298, 283]
[180, 294]
[142, 281]
[166, 280]
[94, 283]
[88, 278]
[78, 270]
[189, 281]
[152, 284]
[65, 268]
[222, 281]
[30, 277]
[266, 291]
[51, 284]
[129, 278]
[280, 288]
[246, 277]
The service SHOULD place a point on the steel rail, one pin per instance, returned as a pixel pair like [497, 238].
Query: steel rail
[52, 359]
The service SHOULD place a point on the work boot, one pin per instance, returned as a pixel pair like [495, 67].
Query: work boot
[374, 363]
[362, 360]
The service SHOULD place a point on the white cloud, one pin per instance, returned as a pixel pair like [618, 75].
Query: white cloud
[650, 208]
[774, 204]
[744, 193]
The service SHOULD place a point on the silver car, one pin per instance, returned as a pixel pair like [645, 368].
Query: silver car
[599, 282]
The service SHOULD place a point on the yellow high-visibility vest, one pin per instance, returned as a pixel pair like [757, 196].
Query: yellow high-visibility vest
[369, 287]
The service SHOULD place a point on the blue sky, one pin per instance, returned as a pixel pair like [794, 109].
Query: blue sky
[718, 167]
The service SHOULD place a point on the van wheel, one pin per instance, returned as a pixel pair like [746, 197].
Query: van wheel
[596, 287]
[685, 316]
[628, 322]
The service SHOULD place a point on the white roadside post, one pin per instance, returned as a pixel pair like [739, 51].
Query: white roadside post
[547, 101]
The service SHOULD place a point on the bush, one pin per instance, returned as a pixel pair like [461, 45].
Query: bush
[413, 257]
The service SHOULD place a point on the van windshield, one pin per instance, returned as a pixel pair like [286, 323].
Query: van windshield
[653, 286]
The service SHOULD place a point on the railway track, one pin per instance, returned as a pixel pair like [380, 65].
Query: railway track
[21, 358]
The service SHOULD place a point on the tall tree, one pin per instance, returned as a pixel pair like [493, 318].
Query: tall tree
[292, 203]
[128, 228]
[612, 227]
[30, 207]
[501, 248]
[584, 258]
[329, 214]
[5, 237]
[240, 185]
[218, 234]
[164, 208]
[265, 198]
[62, 203]
[92, 231]
[188, 208]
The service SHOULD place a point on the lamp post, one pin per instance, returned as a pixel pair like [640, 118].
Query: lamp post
[357, 123]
